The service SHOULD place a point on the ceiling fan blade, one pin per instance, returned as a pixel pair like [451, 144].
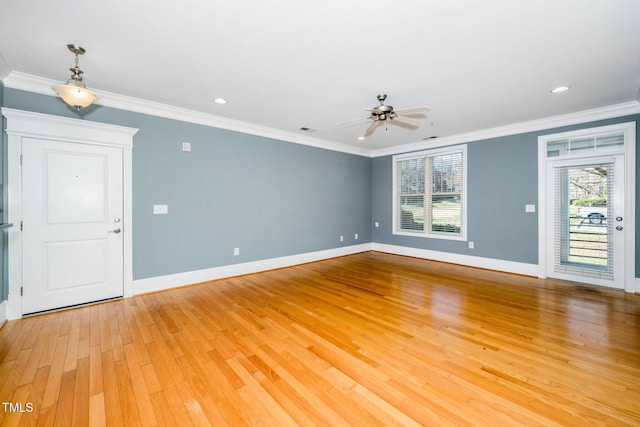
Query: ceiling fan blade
[406, 121]
[372, 127]
[352, 122]
[416, 116]
[412, 110]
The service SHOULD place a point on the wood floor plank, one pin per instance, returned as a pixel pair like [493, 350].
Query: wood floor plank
[367, 339]
[96, 385]
[139, 386]
[97, 412]
[161, 409]
[64, 406]
[81, 394]
[128, 402]
[112, 402]
[37, 388]
[52, 391]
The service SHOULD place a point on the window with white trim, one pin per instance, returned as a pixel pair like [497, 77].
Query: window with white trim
[429, 193]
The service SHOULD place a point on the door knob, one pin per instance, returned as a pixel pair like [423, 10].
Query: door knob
[116, 231]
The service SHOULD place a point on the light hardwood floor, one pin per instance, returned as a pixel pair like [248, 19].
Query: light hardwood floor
[368, 339]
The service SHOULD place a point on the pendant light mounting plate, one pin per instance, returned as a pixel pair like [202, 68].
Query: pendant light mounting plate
[76, 49]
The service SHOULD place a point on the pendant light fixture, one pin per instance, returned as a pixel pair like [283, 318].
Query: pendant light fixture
[74, 92]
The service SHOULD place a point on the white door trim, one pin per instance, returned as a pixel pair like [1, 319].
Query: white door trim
[25, 124]
[631, 283]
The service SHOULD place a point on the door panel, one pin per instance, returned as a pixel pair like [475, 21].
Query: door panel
[75, 180]
[74, 264]
[72, 203]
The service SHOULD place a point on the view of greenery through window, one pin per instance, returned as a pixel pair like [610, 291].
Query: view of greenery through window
[587, 192]
[436, 181]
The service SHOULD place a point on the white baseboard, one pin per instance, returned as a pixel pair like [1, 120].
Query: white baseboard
[468, 260]
[154, 284]
[3, 312]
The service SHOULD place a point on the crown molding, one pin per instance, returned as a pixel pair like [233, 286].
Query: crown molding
[618, 110]
[30, 83]
[35, 84]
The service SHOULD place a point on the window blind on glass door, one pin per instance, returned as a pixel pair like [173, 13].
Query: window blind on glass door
[583, 205]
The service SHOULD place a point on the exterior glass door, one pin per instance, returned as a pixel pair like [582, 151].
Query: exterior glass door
[587, 244]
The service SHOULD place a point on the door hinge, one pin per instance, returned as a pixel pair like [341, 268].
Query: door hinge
[20, 159]
[21, 225]
[21, 291]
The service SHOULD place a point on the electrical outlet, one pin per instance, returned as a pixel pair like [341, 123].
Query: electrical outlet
[377, 224]
[530, 208]
[471, 245]
[356, 236]
[186, 147]
[236, 251]
[342, 238]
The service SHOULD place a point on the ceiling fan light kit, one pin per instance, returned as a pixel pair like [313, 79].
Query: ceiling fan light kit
[74, 92]
[386, 114]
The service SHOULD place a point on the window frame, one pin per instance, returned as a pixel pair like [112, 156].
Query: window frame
[428, 195]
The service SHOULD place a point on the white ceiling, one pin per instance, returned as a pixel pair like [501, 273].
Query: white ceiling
[286, 64]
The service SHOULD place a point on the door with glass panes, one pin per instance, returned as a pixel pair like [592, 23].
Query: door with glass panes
[586, 241]
[586, 221]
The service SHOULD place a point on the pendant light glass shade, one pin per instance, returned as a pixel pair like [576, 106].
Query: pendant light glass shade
[74, 95]
[75, 92]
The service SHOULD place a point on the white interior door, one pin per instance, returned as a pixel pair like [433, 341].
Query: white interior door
[587, 218]
[72, 210]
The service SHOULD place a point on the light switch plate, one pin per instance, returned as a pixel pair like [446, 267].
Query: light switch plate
[186, 147]
[160, 209]
[530, 208]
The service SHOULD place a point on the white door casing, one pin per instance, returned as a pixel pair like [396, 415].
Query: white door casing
[624, 156]
[24, 127]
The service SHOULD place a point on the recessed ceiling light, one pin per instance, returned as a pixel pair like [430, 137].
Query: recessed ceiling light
[220, 101]
[306, 129]
[560, 89]
[361, 138]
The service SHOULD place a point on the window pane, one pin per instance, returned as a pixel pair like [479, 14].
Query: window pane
[557, 148]
[611, 140]
[579, 145]
[447, 173]
[412, 176]
[412, 213]
[446, 213]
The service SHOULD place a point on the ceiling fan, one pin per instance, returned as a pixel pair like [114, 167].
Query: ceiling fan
[405, 117]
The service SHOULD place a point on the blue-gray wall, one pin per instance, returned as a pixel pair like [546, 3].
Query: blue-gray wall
[272, 198]
[267, 197]
[502, 178]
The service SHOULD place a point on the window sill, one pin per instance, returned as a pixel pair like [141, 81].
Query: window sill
[441, 236]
